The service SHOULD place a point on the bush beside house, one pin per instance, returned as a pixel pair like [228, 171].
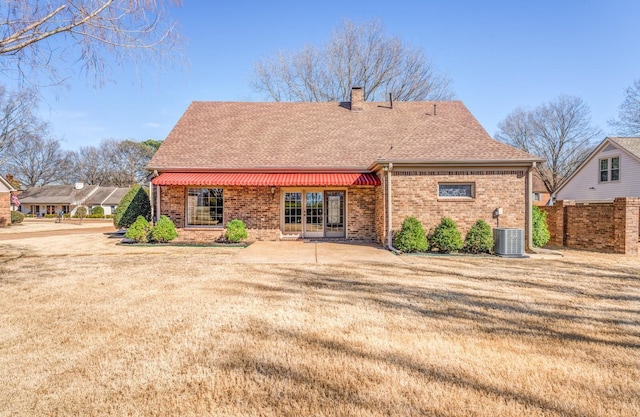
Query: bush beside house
[134, 204]
[235, 231]
[446, 237]
[139, 230]
[164, 230]
[479, 239]
[411, 237]
[540, 232]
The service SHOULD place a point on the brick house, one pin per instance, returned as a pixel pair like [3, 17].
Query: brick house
[349, 170]
[5, 201]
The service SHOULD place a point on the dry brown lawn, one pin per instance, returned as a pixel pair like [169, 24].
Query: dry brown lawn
[89, 328]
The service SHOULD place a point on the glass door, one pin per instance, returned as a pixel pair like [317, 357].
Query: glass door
[335, 214]
[314, 214]
[293, 213]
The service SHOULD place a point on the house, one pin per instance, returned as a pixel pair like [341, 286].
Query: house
[349, 170]
[106, 197]
[611, 170]
[52, 199]
[5, 201]
[541, 194]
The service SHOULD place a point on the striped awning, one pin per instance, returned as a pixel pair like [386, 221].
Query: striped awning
[267, 179]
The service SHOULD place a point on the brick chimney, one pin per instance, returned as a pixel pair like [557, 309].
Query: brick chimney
[357, 99]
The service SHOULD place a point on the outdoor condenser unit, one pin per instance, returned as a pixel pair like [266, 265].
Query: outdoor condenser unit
[508, 242]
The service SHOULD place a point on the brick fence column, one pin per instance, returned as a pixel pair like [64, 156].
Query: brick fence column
[627, 219]
[556, 221]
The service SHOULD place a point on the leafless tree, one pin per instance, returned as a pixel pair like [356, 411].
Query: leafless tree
[559, 131]
[17, 119]
[357, 55]
[628, 121]
[36, 34]
[38, 160]
[118, 163]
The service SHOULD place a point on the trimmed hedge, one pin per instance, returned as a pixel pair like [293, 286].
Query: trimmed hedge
[479, 239]
[164, 230]
[16, 217]
[236, 231]
[540, 232]
[139, 230]
[446, 236]
[134, 204]
[411, 237]
[97, 211]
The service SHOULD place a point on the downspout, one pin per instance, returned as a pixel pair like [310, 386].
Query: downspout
[151, 201]
[390, 211]
[529, 208]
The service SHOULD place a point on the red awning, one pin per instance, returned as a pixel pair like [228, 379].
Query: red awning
[265, 179]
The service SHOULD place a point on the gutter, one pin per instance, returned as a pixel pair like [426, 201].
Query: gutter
[390, 211]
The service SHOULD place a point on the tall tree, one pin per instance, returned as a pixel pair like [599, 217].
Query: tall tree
[36, 34]
[17, 119]
[357, 55]
[40, 161]
[559, 131]
[628, 121]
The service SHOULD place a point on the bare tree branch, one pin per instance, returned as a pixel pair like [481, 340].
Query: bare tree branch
[356, 55]
[559, 132]
[36, 34]
[628, 121]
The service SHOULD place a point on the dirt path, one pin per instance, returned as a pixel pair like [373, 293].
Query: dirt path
[63, 232]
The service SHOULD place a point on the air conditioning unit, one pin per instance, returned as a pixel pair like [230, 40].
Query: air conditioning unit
[508, 242]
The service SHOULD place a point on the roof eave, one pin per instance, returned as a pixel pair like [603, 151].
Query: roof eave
[455, 163]
[264, 169]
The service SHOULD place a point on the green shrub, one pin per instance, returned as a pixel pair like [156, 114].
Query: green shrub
[411, 237]
[135, 203]
[479, 239]
[446, 236]
[139, 230]
[81, 212]
[97, 211]
[164, 230]
[236, 231]
[540, 230]
[16, 217]
[50, 216]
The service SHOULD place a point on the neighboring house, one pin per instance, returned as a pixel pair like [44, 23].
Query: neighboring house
[541, 195]
[611, 170]
[52, 199]
[106, 197]
[350, 170]
[5, 201]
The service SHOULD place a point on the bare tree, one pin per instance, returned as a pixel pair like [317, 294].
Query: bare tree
[559, 131]
[118, 163]
[17, 119]
[360, 55]
[39, 161]
[628, 121]
[35, 34]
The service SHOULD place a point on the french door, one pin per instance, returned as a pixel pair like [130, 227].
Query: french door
[314, 213]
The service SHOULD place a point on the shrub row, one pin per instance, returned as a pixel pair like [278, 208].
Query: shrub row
[445, 238]
[142, 232]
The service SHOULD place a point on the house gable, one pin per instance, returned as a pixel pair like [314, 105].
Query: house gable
[585, 184]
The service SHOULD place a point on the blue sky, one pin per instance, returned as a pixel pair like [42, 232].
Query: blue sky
[499, 54]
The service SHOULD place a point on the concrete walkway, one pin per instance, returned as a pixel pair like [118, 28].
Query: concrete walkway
[299, 252]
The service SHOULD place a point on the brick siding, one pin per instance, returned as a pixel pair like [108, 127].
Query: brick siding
[415, 193]
[603, 227]
[5, 209]
[361, 206]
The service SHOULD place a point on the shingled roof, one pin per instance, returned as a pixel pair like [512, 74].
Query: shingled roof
[225, 136]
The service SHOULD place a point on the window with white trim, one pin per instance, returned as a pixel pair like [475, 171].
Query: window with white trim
[205, 206]
[456, 190]
[610, 169]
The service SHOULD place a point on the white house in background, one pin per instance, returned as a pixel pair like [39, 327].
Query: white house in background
[611, 170]
[106, 197]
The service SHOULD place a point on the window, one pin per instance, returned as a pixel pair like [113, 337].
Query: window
[610, 169]
[456, 190]
[537, 197]
[204, 207]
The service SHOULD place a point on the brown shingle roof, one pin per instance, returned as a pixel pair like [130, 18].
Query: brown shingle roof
[631, 144]
[317, 136]
[55, 194]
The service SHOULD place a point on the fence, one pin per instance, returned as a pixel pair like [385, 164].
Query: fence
[602, 227]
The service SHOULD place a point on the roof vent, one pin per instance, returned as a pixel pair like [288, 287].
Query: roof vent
[357, 99]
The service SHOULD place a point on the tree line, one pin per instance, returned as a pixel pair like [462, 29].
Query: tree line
[32, 156]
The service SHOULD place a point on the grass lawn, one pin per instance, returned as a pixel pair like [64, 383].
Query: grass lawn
[89, 328]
